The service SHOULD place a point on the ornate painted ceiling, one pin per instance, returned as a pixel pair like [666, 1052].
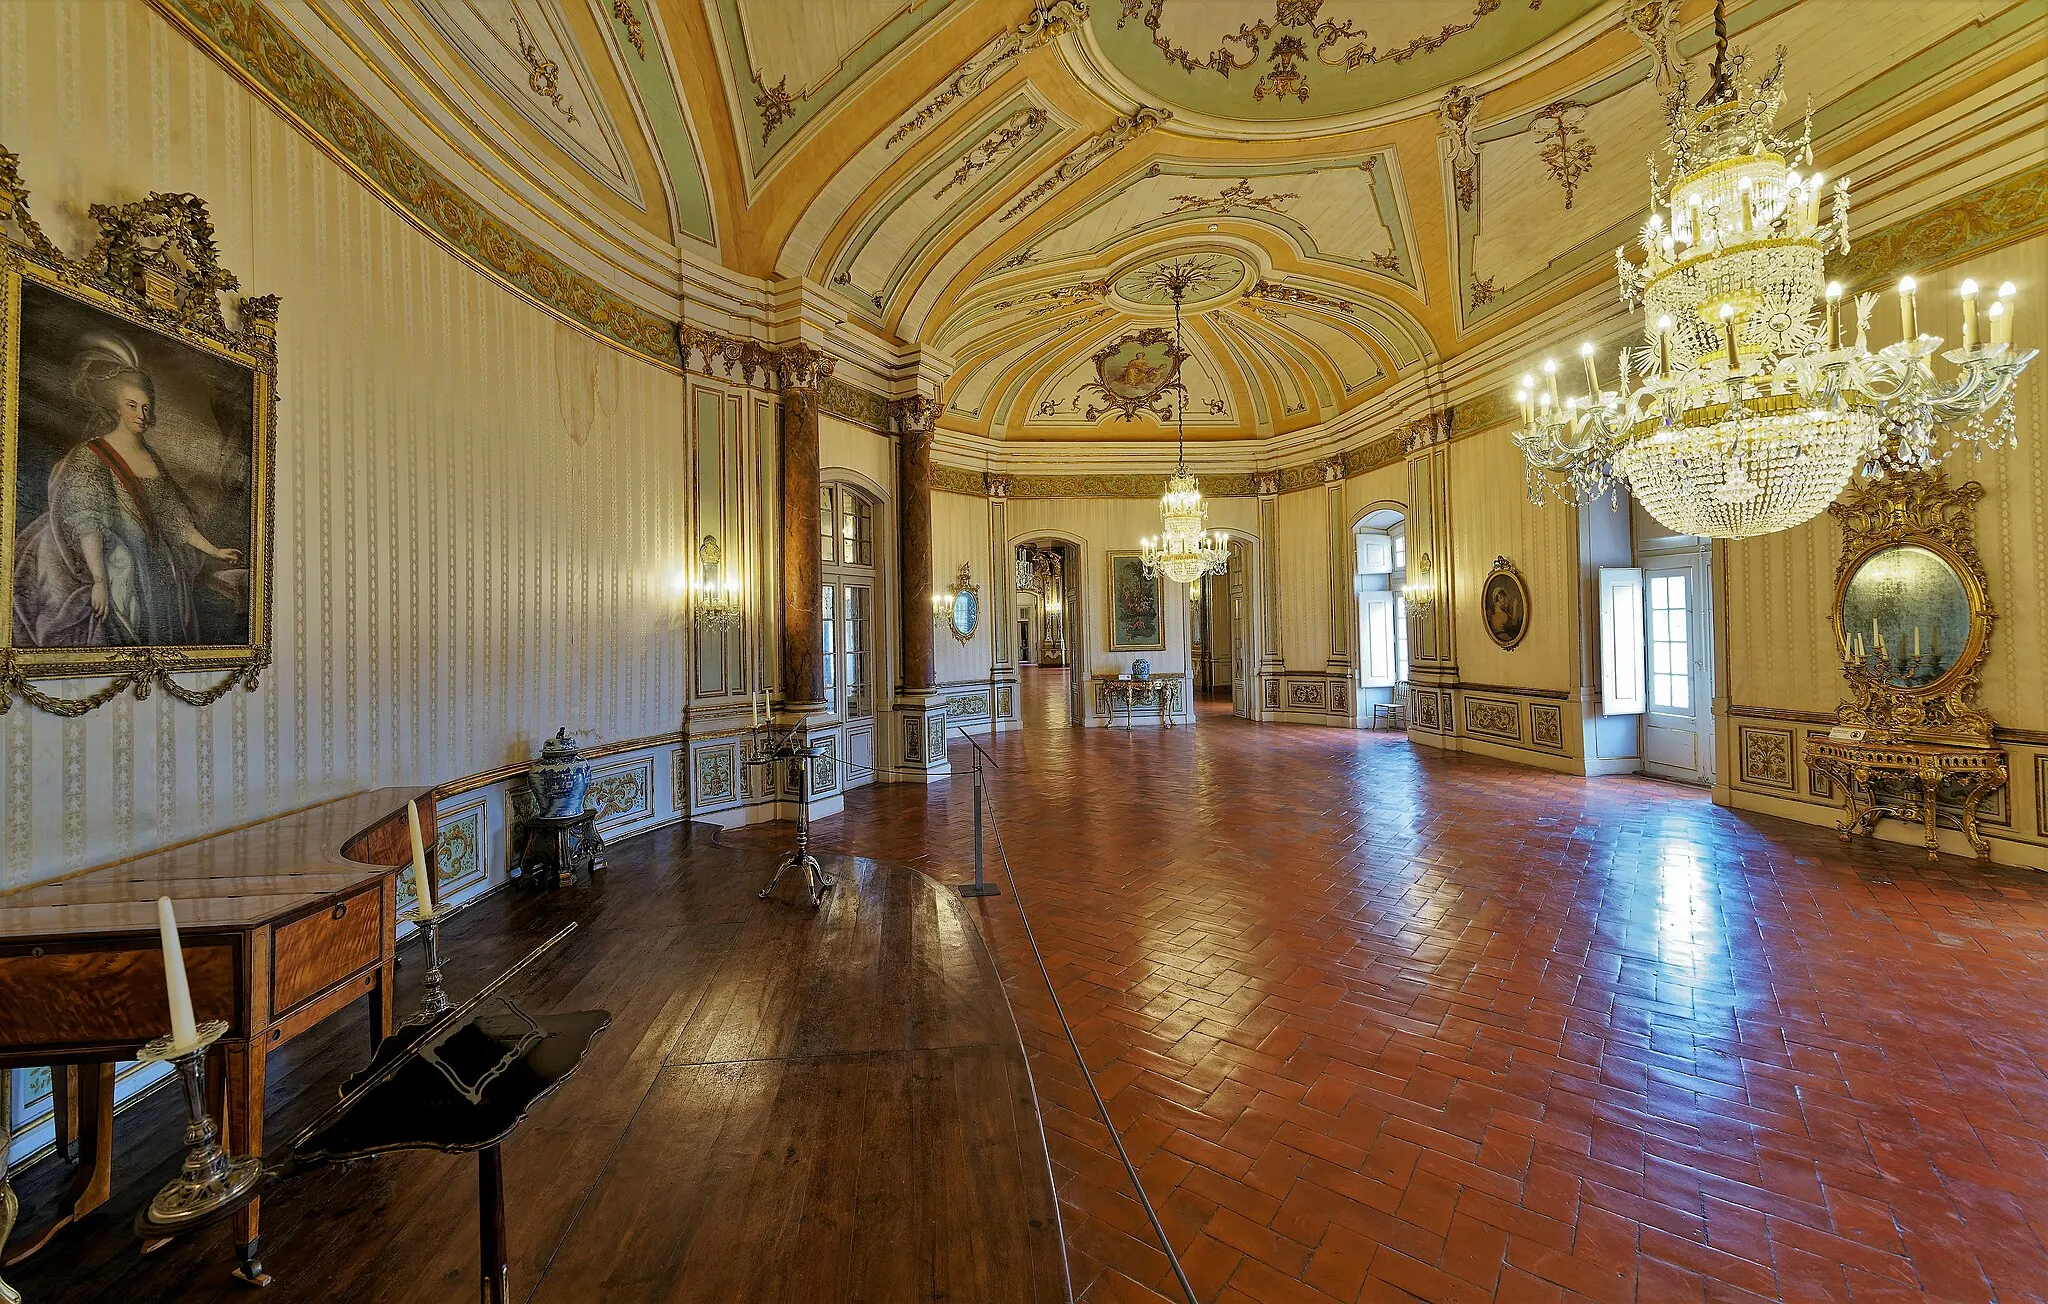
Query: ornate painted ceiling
[1379, 188]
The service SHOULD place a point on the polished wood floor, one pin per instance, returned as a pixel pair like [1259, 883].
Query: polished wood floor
[1377, 1023]
[787, 1106]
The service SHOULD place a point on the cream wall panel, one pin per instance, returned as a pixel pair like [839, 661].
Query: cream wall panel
[1491, 516]
[960, 534]
[843, 446]
[1305, 578]
[1376, 488]
[456, 574]
[1781, 648]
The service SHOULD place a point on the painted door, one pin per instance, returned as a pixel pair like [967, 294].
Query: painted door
[848, 636]
[1677, 726]
[1240, 631]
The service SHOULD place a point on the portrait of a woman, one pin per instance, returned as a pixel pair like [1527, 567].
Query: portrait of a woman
[117, 556]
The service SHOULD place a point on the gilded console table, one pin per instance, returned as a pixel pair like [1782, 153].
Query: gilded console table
[1863, 770]
[1163, 691]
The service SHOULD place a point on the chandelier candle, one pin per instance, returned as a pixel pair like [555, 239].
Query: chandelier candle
[1757, 416]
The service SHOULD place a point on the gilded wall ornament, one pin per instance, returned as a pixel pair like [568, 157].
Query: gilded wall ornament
[111, 562]
[776, 104]
[1279, 293]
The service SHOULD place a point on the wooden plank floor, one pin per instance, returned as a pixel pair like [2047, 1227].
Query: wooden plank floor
[788, 1106]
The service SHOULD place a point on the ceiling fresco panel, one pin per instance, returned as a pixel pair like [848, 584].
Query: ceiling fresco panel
[645, 56]
[1266, 61]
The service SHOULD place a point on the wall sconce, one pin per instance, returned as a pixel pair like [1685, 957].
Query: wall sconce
[715, 597]
[1420, 592]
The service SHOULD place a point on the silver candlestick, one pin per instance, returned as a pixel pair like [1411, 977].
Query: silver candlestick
[211, 1182]
[433, 1000]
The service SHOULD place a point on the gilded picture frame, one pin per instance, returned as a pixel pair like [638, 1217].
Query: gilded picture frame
[137, 441]
[1504, 605]
[1136, 606]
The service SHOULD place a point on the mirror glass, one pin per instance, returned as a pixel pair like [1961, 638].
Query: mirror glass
[1906, 615]
[966, 613]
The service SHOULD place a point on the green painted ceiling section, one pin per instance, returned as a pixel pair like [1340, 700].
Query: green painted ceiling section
[665, 117]
[1500, 29]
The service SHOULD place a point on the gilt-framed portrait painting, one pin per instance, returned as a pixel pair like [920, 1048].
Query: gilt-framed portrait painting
[1136, 620]
[136, 437]
[1504, 604]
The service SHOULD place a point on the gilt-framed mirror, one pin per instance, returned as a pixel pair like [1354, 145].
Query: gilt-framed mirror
[1911, 611]
[963, 612]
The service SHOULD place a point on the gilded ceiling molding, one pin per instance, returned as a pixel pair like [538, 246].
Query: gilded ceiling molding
[622, 10]
[1560, 130]
[1655, 24]
[1277, 293]
[543, 75]
[245, 38]
[1090, 152]
[1049, 20]
[1006, 137]
[1457, 113]
[1236, 196]
[1298, 25]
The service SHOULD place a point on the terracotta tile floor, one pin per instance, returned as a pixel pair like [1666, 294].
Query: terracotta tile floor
[1377, 1023]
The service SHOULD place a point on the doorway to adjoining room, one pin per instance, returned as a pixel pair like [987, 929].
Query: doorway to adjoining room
[1046, 651]
[1380, 578]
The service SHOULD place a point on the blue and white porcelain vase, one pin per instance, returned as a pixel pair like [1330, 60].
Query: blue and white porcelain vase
[559, 779]
[1141, 669]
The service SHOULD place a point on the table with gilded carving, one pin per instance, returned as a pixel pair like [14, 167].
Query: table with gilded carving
[1903, 781]
[1162, 691]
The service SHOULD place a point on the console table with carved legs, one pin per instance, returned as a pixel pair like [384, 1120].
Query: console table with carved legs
[1862, 770]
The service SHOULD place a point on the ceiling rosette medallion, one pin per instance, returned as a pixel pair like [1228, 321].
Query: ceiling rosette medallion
[1137, 373]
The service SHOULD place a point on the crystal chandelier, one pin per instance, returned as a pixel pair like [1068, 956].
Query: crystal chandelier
[1184, 551]
[1744, 412]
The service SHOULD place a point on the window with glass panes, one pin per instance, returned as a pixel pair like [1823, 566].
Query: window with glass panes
[1670, 645]
[847, 600]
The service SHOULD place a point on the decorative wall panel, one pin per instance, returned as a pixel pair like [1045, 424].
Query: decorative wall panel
[1546, 725]
[622, 794]
[1766, 757]
[456, 574]
[1492, 717]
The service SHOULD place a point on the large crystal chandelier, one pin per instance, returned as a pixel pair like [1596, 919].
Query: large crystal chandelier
[1184, 551]
[1744, 411]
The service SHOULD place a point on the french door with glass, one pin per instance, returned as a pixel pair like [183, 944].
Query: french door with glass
[847, 620]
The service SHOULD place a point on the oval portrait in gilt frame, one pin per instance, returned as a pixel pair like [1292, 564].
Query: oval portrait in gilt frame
[1504, 605]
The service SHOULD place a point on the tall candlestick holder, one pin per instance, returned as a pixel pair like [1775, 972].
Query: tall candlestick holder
[796, 748]
[433, 1000]
[212, 1182]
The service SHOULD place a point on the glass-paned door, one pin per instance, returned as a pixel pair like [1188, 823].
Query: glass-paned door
[1675, 725]
[847, 517]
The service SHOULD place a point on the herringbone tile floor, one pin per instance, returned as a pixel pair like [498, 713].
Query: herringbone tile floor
[1382, 1024]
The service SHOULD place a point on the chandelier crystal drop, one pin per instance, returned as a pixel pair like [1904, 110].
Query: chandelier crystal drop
[1184, 551]
[1743, 411]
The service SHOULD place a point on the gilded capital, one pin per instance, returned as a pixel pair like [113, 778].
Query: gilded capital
[916, 416]
[1265, 483]
[799, 366]
[1332, 469]
[998, 486]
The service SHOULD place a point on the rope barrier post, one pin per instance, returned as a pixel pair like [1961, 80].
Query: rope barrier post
[980, 887]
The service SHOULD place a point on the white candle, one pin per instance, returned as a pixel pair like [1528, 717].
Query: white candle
[1909, 321]
[1969, 314]
[421, 880]
[1916, 640]
[754, 706]
[184, 1028]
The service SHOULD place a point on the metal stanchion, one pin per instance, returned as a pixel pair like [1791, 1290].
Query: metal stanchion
[980, 887]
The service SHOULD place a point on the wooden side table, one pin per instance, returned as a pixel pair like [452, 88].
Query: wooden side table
[558, 847]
